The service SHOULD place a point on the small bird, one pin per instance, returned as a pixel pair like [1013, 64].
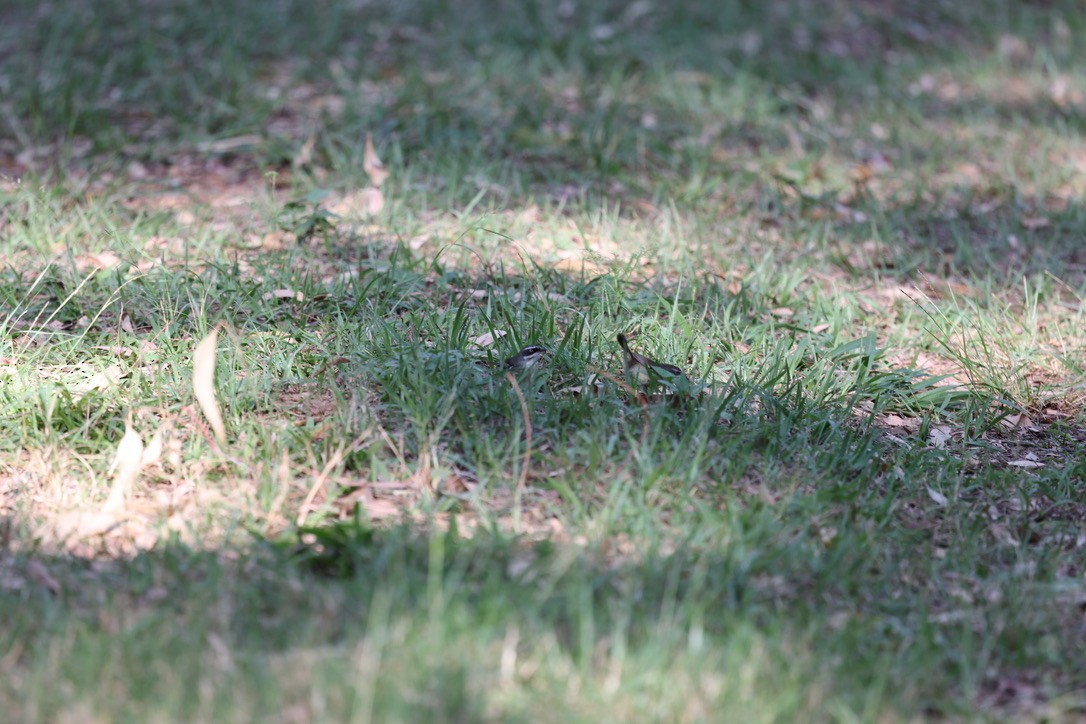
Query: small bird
[526, 358]
[646, 370]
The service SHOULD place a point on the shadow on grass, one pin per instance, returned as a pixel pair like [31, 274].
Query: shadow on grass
[767, 618]
[815, 566]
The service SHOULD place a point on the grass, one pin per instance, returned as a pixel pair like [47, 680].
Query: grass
[857, 228]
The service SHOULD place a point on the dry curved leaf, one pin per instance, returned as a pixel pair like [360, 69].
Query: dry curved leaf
[127, 462]
[372, 165]
[1026, 464]
[203, 383]
[937, 497]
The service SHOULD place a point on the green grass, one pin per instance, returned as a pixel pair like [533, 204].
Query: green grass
[858, 231]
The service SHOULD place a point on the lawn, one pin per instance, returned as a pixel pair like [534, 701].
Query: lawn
[859, 228]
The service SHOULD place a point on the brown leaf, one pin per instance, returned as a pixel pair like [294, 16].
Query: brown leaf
[96, 262]
[372, 165]
[579, 265]
[860, 173]
[782, 312]
[1017, 421]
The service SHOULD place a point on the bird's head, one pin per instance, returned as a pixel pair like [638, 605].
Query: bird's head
[526, 358]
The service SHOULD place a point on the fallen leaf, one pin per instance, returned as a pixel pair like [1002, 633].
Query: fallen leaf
[846, 213]
[1063, 94]
[602, 33]
[939, 435]
[1019, 420]
[72, 527]
[579, 265]
[372, 165]
[936, 496]
[1013, 48]
[488, 338]
[380, 508]
[591, 384]
[359, 204]
[153, 452]
[229, 145]
[203, 383]
[105, 379]
[782, 312]
[304, 155]
[126, 465]
[1003, 534]
[96, 262]
[41, 575]
[1026, 464]
[370, 201]
[819, 328]
[860, 173]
